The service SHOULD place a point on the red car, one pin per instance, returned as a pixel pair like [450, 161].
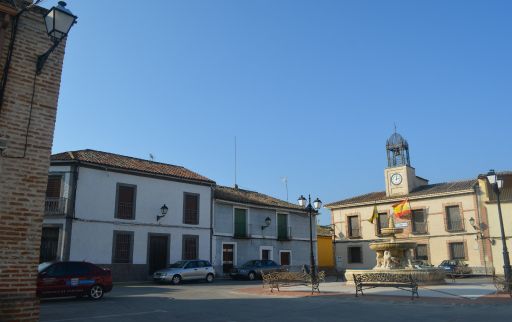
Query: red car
[73, 279]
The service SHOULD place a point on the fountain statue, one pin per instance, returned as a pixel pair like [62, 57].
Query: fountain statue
[395, 256]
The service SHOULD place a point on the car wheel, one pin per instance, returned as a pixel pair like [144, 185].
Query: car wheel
[95, 292]
[209, 278]
[176, 279]
[252, 276]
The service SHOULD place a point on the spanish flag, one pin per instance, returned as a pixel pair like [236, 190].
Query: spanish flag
[402, 208]
[375, 215]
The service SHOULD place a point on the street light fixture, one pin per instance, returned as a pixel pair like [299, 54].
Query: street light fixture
[163, 212]
[496, 184]
[317, 204]
[267, 223]
[58, 21]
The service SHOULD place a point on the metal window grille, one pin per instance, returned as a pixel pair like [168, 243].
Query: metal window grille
[123, 245]
[353, 226]
[190, 247]
[382, 222]
[191, 209]
[419, 222]
[125, 202]
[421, 252]
[453, 218]
[457, 251]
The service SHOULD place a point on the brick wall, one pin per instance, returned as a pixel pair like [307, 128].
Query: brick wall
[23, 179]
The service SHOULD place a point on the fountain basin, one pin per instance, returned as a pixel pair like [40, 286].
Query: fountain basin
[428, 276]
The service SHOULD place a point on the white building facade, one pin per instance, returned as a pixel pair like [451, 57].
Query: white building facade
[107, 209]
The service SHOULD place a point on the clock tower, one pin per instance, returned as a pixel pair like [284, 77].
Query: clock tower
[400, 177]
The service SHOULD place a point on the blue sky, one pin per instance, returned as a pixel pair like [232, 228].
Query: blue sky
[311, 89]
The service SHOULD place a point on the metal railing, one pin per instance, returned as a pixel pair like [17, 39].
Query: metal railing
[354, 233]
[454, 225]
[55, 206]
[419, 227]
[125, 210]
[241, 230]
[284, 233]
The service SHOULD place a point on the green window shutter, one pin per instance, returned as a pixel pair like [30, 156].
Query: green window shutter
[282, 226]
[240, 223]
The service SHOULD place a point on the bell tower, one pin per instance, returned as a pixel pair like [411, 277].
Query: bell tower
[400, 177]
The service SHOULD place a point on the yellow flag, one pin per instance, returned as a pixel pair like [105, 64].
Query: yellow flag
[375, 215]
[402, 208]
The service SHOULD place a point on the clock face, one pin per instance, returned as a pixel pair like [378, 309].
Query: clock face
[396, 179]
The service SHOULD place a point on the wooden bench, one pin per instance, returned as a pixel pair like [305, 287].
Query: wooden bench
[276, 279]
[400, 281]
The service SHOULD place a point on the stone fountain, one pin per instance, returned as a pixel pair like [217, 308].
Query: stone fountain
[395, 256]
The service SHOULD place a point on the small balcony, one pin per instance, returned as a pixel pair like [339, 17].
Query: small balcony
[454, 225]
[241, 230]
[284, 233]
[55, 206]
[354, 233]
[419, 227]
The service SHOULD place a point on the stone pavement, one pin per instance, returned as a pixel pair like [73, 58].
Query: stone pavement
[465, 289]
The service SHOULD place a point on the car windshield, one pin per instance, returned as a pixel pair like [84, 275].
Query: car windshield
[179, 264]
[43, 266]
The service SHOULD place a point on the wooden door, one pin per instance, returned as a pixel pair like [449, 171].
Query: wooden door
[158, 253]
[228, 257]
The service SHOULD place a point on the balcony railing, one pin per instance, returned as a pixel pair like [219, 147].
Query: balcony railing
[241, 230]
[354, 233]
[454, 225]
[419, 227]
[55, 206]
[284, 233]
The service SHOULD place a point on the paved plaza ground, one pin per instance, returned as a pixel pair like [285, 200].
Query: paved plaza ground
[225, 300]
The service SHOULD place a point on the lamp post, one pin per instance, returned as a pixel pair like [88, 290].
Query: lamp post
[496, 184]
[58, 21]
[317, 204]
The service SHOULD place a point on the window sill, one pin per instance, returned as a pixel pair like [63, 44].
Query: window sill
[455, 230]
[419, 232]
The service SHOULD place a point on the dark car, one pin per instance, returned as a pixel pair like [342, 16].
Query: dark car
[73, 279]
[455, 266]
[252, 269]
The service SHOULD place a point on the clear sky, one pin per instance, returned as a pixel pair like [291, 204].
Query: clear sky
[311, 89]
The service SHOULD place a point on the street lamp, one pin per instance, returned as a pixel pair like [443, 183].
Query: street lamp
[496, 184]
[163, 212]
[58, 21]
[317, 204]
[267, 223]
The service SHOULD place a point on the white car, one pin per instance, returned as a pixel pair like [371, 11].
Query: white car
[186, 270]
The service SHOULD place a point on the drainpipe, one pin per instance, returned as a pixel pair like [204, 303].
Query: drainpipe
[70, 213]
[480, 233]
[211, 222]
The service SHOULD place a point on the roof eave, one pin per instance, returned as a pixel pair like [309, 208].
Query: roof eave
[392, 200]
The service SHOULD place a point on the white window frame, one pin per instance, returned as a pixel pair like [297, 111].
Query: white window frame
[286, 251]
[270, 248]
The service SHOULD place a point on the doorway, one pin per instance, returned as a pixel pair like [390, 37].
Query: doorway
[158, 252]
[49, 244]
[228, 257]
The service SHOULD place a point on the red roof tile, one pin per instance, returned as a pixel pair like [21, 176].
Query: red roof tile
[425, 190]
[129, 163]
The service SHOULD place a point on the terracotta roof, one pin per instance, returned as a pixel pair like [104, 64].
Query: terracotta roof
[128, 163]
[425, 190]
[252, 197]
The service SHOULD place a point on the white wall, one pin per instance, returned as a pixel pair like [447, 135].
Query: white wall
[96, 196]
[92, 230]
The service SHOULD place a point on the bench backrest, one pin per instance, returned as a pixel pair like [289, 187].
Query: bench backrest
[384, 278]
